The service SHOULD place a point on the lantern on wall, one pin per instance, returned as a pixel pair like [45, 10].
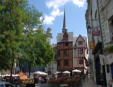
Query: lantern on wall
[91, 45]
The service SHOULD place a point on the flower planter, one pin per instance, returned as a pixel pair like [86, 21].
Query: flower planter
[108, 50]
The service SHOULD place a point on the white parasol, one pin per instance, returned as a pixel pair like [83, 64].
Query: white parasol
[40, 73]
[66, 72]
[76, 70]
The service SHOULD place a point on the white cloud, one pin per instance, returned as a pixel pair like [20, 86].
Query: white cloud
[79, 3]
[49, 19]
[59, 3]
[55, 5]
[56, 12]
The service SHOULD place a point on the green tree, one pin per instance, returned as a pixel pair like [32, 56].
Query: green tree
[17, 36]
[37, 52]
[32, 19]
[45, 53]
[12, 13]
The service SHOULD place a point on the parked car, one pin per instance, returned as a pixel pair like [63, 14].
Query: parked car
[5, 84]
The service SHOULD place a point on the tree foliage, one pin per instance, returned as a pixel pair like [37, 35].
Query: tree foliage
[18, 41]
[11, 25]
[37, 51]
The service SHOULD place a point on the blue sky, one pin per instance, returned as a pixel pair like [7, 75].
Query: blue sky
[52, 11]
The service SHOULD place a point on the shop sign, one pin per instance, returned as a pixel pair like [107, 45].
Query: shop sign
[91, 45]
[96, 32]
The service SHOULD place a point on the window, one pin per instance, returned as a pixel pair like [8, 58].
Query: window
[65, 44]
[111, 28]
[65, 36]
[66, 53]
[107, 68]
[58, 62]
[58, 52]
[81, 61]
[80, 51]
[80, 42]
[66, 63]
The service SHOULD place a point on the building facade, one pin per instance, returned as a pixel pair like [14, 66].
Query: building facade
[70, 54]
[80, 54]
[99, 15]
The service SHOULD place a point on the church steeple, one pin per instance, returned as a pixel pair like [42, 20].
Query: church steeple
[64, 24]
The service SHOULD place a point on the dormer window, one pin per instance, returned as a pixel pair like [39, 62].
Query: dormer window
[80, 42]
[65, 36]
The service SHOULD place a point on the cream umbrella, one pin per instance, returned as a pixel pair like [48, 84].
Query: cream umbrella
[76, 70]
[40, 73]
[66, 72]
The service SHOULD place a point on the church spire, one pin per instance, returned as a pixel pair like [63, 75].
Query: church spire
[64, 24]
